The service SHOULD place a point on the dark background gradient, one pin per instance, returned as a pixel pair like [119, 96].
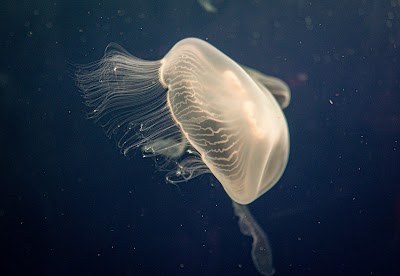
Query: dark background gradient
[71, 204]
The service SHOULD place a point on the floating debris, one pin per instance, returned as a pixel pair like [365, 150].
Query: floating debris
[207, 6]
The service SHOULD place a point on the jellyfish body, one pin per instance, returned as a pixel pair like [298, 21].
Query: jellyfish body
[198, 102]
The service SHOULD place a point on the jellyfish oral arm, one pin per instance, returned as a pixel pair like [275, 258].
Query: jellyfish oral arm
[261, 252]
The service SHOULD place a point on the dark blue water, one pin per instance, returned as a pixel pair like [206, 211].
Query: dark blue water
[71, 204]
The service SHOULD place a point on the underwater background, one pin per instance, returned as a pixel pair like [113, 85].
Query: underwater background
[71, 204]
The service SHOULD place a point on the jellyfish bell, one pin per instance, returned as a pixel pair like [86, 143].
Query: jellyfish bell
[237, 127]
[198, 107]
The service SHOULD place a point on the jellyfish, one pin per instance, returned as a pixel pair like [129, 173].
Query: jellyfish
[199, 110]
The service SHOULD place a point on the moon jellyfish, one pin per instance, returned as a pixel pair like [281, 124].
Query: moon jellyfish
[199, 110]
